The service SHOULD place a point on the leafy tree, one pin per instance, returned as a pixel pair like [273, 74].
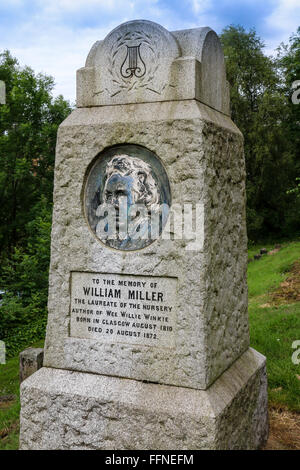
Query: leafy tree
[28, 127]
[24, 276]
[260, 109]
[288, 61]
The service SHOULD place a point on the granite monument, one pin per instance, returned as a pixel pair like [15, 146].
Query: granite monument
[147, 343]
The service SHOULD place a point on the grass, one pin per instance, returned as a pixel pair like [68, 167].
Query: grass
[273, 328]
[10, 409]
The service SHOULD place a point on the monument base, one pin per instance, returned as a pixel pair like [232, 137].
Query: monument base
[63, 409]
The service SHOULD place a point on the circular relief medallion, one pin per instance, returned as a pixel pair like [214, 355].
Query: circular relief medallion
[127, 197]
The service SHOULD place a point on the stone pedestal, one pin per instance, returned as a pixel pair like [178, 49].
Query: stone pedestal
[31, 360]
[152, 119]
[74, 410]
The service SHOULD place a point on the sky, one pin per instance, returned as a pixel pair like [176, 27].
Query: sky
[55, 36]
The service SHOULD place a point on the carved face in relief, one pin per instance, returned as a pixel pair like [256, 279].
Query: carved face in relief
[130, 177]
[127, 199]
[130, 184]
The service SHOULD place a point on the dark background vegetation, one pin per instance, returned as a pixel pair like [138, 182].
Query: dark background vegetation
[261, 91]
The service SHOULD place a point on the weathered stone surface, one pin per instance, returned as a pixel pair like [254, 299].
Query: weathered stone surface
[204, 45]
[166, 94]
[31, 360]
[73, 410]
[178, 65]
[202, 151]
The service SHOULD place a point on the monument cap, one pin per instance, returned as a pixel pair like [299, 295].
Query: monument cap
[141, 62]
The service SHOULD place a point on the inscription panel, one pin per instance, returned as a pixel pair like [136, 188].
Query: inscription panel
[120, 308]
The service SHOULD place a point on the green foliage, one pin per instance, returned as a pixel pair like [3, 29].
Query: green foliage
[288, 63]
[28, 126]
[295, 190]
[262, 108]
[24, 278]
[23, 336]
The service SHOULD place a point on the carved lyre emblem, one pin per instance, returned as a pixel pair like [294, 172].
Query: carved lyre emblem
[133, 64]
